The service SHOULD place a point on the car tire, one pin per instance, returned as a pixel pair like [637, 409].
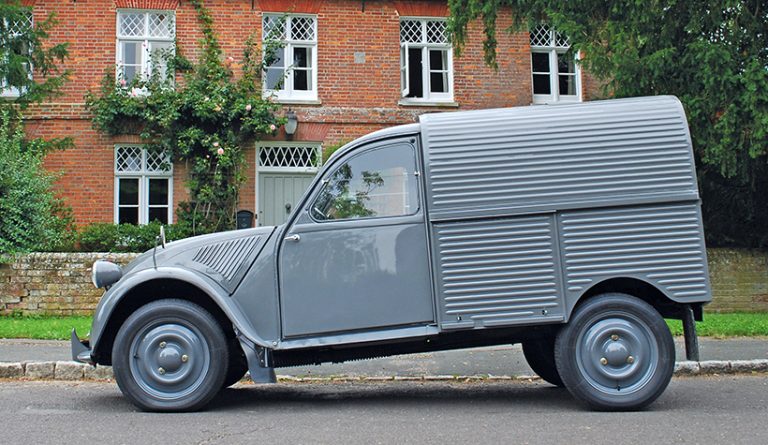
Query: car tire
[540, 355]
[170, 355]
[616, 353]
[238, 364]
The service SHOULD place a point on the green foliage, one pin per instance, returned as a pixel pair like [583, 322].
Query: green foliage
[104, 237]
[204, 121]
[33, 218]
[711, 54]
[329, 150]
[22, 46]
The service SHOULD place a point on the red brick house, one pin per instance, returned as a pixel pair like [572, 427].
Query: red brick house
[358, 66]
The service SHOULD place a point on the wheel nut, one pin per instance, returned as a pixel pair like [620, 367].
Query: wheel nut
[604, 361]
[185, 358]
[161, 371]
[630, 360]
[614, 337]
[162, 344]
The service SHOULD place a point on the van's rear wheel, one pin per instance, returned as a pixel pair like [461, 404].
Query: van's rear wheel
[616, 353]
[540, 355]
[170, 355]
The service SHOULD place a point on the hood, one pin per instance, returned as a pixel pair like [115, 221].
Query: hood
[223, 256]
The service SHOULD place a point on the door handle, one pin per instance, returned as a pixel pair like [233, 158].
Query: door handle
[295, 238]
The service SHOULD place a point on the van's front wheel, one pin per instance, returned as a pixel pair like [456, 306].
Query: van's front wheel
[616, 353]
[170, 355]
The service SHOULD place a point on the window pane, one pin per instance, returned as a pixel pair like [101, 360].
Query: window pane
[128, 194]
[131, 53]
[158, 192]
[128, 215]
[438, 59]
[540, 62]
[159, 54]
[302, 80]
[567, 85]
[159, 214]
[375, 184]
[302, 57]
[438, 82]
[541, 84]
[415, 81]
[277, 58]
[275, 78]
[565, 64]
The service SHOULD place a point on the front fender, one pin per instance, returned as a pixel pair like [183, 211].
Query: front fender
[116, 295]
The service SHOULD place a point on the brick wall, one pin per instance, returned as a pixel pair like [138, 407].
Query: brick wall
[60, 283]
[355, 98]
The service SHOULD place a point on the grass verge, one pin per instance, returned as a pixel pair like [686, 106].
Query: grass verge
[58, 328]
[44, 328]
[738, 324]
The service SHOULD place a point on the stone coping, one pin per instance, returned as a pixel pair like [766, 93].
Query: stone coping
[74, 371]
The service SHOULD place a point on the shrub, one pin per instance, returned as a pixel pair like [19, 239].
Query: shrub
[104, 237]
[33, 218]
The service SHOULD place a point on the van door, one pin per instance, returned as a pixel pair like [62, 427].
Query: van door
[357, 255]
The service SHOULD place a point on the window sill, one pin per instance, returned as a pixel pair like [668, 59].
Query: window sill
[427, 103]
[299, 101]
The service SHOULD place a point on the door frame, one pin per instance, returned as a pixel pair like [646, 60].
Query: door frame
[284, 169]
[301, 217]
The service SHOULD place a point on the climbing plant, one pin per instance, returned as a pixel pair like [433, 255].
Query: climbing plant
[203, 121]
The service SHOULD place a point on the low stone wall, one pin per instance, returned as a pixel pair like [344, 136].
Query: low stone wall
[739, 279]
[53, 283]
[60, 283]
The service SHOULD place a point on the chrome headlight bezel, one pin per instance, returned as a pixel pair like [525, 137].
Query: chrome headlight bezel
[105, 273]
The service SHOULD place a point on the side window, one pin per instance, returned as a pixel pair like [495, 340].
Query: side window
[374, 184]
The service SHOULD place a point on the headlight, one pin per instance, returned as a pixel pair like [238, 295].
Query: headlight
[105, 273]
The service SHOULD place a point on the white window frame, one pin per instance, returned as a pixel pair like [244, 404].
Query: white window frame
[555, 47]
[143, 174]
[146, 39]
[12, 92]
[287, 93]
[429, 97]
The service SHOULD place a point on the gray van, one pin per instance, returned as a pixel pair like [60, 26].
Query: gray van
[573, 230]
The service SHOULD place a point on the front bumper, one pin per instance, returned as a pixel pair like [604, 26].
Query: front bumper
[81, 350]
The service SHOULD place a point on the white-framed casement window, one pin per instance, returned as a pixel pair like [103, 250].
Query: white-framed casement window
[144, 40]
[292, 71]
[426, 60]
[556, 75]
[11, 29]
[143, 186]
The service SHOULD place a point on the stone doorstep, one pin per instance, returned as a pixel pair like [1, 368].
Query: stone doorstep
[69, 370]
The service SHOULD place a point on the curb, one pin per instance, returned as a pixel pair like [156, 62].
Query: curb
[74, 371]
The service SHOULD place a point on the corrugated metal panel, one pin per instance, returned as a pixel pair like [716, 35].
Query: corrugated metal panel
[226, 258]
[497, 272]
[548, 156]
[660, 244]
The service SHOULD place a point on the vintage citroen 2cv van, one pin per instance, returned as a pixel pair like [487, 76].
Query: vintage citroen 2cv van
[573, 230]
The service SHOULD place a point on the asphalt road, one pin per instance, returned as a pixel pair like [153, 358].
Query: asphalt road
[707, 410]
